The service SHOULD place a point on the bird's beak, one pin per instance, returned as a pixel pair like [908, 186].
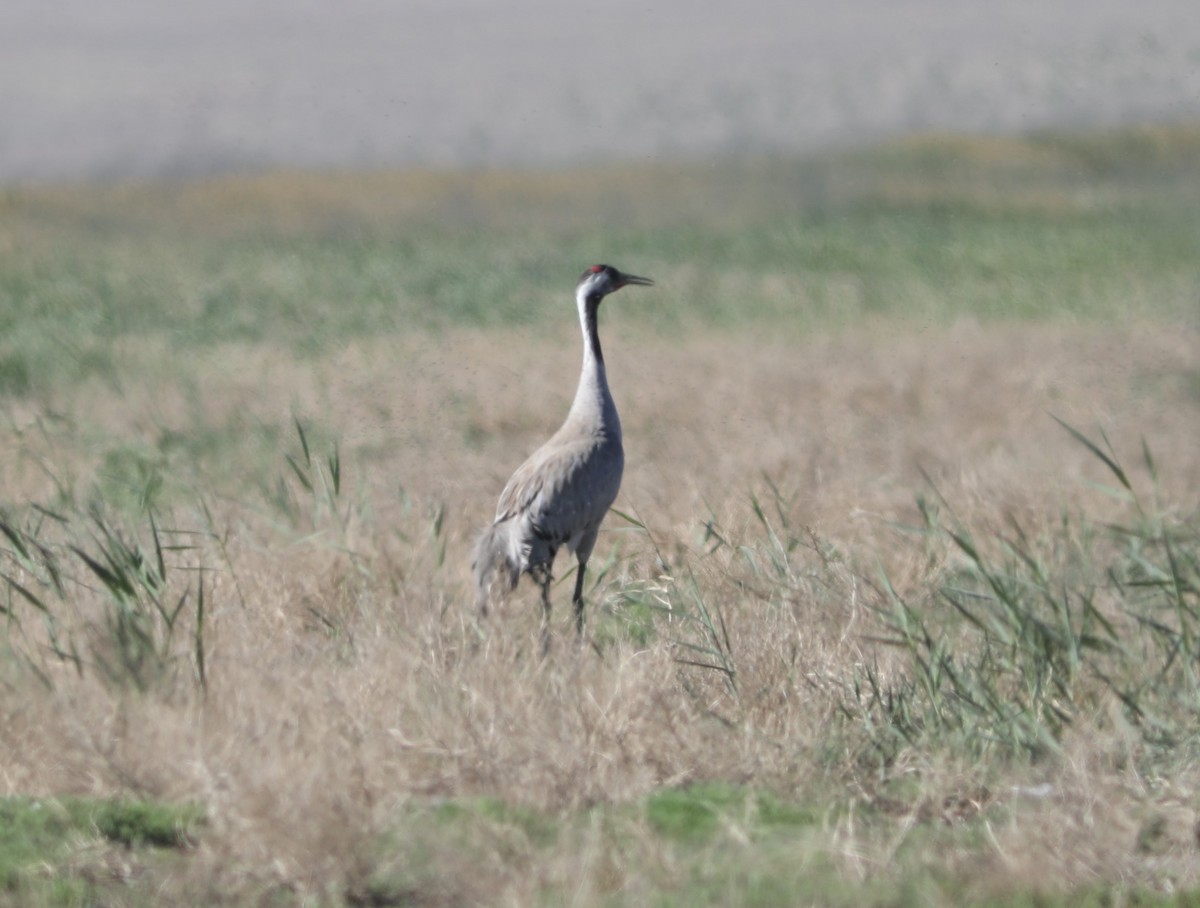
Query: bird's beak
[634, 279]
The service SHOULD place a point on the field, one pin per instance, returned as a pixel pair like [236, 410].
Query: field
[899, 603]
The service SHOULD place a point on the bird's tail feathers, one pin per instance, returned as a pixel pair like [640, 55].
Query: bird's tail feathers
[496, 569]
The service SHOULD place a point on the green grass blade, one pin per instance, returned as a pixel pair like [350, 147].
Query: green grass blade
[158, 551]
[15, 538]
[300, 473]
[27, 595]
[303, 441]
[198, 637]
[117, 582]
[1095, 449]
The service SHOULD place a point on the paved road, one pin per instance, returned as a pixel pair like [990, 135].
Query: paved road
[112, 89]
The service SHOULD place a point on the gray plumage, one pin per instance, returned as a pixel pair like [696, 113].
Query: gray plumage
[560, 495]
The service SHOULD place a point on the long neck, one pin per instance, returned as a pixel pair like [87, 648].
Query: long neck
[593, 403]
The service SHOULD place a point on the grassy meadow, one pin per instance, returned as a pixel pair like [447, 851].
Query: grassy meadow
[899, 604]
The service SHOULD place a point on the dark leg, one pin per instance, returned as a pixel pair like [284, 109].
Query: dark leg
[578, 598]
[546, 611]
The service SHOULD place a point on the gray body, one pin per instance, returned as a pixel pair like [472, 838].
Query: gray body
[560, 495]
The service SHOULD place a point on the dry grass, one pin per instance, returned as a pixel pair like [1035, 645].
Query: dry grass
[826, 339]
[348, 683]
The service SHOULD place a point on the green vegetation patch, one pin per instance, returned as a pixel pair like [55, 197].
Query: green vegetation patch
[39, 836]
[712, 843]
[33, 831]
[695, 814]
[147, 823]
[1025, 637]
[539, 828]
[934, 228]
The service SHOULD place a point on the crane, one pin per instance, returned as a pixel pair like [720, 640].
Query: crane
[560, 495]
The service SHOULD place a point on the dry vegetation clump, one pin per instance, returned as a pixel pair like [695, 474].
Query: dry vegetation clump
[300, 658]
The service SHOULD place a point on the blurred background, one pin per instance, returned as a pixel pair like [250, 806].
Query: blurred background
[130, 89]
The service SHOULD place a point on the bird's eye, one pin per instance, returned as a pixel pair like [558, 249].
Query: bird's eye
[596, 269]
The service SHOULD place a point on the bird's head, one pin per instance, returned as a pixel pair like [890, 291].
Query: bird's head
[598, 281]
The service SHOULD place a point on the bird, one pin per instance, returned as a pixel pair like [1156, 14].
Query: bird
[560, 495]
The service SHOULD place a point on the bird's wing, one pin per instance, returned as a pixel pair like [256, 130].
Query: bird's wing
[521, 489]
[546, 489]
